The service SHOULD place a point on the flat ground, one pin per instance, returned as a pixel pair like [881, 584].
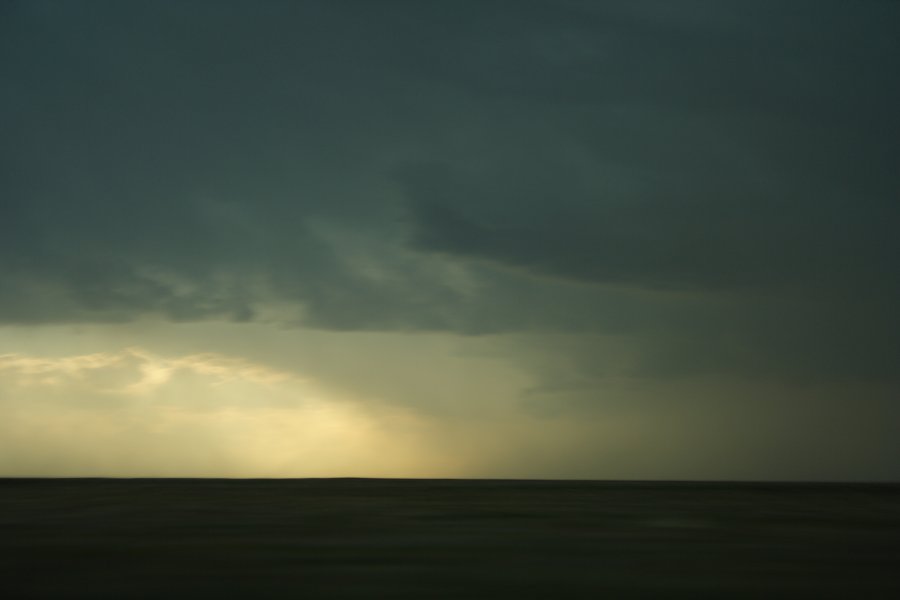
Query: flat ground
[473, 539]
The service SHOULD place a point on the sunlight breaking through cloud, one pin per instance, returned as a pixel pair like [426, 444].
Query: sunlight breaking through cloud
[151, 370]
[133, 412]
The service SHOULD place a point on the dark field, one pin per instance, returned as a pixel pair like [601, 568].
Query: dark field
[369, 538]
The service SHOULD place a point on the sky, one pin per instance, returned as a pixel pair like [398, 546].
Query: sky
[623, 239]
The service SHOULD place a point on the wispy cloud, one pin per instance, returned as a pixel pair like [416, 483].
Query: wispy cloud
[141, 371]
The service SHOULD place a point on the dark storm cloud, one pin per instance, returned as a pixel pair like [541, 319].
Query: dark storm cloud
[719, 157]
[164, 157]
[717, 180]
[748, 163]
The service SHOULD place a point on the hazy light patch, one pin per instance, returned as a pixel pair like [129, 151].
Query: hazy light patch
[278, 402]
[440, 374]
[136, 413]
[152, 370]
[31, 370]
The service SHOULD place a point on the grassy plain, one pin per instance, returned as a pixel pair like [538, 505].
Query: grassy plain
[472, 539]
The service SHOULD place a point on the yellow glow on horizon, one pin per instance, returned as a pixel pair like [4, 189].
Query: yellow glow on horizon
[136, 413]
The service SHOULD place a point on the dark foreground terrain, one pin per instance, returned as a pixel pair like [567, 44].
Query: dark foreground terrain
[368, 538]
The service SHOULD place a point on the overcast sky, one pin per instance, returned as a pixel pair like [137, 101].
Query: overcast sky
[627, 239]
